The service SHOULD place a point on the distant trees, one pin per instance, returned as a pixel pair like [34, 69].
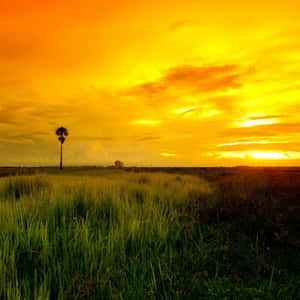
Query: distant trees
[119, 164]
[61, 132]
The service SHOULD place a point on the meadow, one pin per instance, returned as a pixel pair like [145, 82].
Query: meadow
[112, 234]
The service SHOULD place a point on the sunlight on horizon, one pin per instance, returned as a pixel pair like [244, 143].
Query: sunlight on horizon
[259, 155]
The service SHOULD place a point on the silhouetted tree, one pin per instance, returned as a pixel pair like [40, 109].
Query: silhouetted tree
[62, 132]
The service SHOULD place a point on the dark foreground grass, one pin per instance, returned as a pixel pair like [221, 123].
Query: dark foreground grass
[138, 236]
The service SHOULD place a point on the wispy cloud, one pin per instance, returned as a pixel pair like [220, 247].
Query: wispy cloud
[185, 110]
[191, 80]
[251, 120]
[265, 117]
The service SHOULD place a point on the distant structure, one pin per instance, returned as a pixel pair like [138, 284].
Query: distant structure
[119, 164]
[132, 169]
[61, 132]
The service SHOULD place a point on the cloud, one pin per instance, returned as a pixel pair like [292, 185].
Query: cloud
[265, 117]
[203, 79]
[252, 121]
[179, 24]
[209, 89]
[16, 48]
[275, 146]
[192, 79]
[223, 102]
[6, 119]
[148, 89]
[147, 122]
[187, 110]
[21, 140]
[91, 138]
[275, 129]
[165, 154]
[271, 155]
[149, 138]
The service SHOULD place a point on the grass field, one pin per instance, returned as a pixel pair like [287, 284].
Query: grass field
[111, 234]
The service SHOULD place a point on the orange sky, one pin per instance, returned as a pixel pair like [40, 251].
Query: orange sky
[175, 83]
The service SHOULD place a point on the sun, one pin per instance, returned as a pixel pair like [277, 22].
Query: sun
[268, 155]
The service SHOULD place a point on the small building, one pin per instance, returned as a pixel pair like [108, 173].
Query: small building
[119, 164]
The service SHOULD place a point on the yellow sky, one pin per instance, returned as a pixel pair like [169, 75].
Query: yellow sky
[176, 83]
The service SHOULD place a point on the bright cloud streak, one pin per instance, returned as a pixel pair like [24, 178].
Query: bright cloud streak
[210, 113]
[252, 143]
[165, 154]
[147, 122]
[229, 154]
[250, 123]
[185, 110]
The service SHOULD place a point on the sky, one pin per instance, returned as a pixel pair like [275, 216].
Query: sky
[150, 83]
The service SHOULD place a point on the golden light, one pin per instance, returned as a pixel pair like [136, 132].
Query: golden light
[147, 122]
[165, 154]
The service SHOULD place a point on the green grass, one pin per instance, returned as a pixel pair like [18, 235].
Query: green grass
[119, 235]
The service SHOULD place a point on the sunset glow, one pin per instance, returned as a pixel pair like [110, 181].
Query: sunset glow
[198, 77]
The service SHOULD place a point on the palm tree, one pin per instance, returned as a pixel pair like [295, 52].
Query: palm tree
[62, 132]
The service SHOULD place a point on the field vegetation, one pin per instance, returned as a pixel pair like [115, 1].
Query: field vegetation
[112, 234]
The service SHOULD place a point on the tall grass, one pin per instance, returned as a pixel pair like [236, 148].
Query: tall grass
[130, 236]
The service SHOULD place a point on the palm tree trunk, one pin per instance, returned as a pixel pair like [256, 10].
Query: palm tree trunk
[61, 156]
